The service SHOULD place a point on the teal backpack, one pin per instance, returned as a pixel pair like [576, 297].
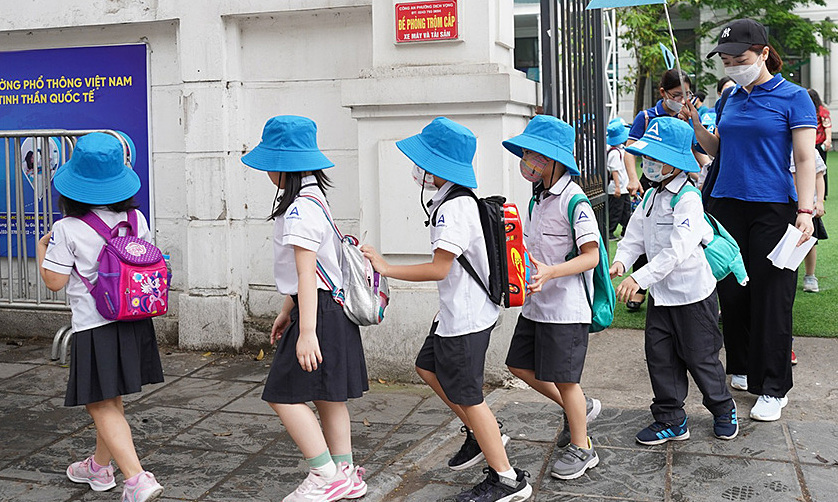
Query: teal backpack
[722, 252]
[603, 301]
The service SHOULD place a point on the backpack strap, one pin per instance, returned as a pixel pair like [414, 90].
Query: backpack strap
[571, 209]
[688, 187]
[646, 197]
[453, 193]
[337, 293]
[96, 223]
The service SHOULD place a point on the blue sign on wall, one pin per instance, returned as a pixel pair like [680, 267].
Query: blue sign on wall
[78, 88]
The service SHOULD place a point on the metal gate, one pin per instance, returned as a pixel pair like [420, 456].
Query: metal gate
[574, 86]
[30, 159]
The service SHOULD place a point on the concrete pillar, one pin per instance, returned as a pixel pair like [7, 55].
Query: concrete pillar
[470, 80]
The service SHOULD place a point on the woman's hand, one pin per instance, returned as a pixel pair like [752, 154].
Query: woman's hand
[627, 289]
[805, 225]
[543, 273]
[689, 111]
[617, 269]
[283, 319]
[308, 351]
[378, 263]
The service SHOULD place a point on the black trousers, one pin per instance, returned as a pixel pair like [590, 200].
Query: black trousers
[758, 317]
[681, 339]
[619, 212]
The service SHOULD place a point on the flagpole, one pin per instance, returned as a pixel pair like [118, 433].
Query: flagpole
[674, 48]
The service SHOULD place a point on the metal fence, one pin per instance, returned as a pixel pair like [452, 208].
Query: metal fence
[29, 160]
[574, 85]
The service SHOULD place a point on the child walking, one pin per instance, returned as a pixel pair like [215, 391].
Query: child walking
[619, 205]
[109, 359]
[682, 328]
[319, 356]
[551, 338]
[452, 358]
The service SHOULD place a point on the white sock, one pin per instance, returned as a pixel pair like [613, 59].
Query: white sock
[510, 474]
[327, 470]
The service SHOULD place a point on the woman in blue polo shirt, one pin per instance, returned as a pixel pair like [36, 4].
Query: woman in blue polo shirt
[673, 97]
[765, 119]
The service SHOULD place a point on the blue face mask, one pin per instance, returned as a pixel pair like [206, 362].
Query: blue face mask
[653, 170]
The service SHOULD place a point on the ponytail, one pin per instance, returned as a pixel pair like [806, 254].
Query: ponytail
[774, 62]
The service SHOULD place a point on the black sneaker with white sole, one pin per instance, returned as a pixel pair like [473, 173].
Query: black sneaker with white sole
[470, 452]
[496, 488]
[592, 409]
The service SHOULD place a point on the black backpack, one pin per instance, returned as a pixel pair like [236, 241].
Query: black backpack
[494, 234]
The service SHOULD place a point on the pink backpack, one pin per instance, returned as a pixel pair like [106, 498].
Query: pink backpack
[133, 281]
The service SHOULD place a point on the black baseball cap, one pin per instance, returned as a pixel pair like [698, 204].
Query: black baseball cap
[738, 36]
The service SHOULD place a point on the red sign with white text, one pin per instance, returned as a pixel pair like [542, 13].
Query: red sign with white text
[426, 21]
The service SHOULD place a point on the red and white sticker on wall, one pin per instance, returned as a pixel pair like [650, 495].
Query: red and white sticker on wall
[426, 21]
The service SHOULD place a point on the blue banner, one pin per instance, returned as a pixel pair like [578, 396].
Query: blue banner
[78, 88]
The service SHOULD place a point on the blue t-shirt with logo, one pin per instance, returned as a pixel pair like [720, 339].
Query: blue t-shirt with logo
[755, 145]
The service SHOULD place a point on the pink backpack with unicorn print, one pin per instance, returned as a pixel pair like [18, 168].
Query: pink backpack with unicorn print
[133, 281]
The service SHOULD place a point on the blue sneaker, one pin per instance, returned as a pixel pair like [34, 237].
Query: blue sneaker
[660, 432]
[726, 425]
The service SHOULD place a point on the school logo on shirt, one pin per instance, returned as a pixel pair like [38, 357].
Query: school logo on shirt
[441, 221]
[294, 214]
[583, 216]
[685, 223]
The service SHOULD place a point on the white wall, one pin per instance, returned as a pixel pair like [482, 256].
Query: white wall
[220, 69]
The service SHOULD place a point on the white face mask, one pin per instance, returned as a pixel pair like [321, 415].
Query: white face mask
[673, 105]
[744, 74]
[653, 170]
[423, 178]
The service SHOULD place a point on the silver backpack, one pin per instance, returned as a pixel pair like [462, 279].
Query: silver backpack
[365, 292]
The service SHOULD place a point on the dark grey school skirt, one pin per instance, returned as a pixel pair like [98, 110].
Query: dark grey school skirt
[112, 360]
[342, 374]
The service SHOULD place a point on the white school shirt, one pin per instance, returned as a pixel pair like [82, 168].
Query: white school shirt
[677, 272]
[616, 164]
[75, 243]
[548, 236]
[305, 225]
[464, 307]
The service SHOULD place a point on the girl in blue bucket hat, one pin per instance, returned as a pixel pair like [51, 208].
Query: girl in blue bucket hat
[453, 355]
[109, 359]
[550, 341]
[682, 321]
[319, 357]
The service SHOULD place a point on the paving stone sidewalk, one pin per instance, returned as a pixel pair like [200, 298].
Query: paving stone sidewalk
[207, 435]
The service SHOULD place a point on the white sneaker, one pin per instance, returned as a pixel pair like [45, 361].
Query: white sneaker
[768, 408]
[810, 284]
[739, 382]
[316, 488]
[356, 475]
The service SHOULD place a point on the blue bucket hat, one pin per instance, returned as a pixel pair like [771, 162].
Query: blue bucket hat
[708, 120]
[668, 140]
[444, 148]
[289, 144]
[132, 150]
[617, 132]
[550, 137]
[96, 172]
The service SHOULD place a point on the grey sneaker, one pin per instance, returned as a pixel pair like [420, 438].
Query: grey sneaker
[592, 408]
[574, 461]
[810, 284]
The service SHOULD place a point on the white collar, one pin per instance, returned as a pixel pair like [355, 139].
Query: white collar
[559, 187]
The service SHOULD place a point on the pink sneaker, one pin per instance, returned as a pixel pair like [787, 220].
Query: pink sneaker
[147, 488]
[82, 472]
[318, 489]
[359, 486]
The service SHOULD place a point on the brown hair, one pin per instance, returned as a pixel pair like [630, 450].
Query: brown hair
[774, 63]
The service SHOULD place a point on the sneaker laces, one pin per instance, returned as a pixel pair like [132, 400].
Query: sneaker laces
[483, 486]
[308, 484]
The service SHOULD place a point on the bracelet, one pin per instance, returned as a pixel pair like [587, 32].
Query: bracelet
[804, 211]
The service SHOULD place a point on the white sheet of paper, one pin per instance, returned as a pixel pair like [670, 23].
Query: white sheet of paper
[786, 254]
